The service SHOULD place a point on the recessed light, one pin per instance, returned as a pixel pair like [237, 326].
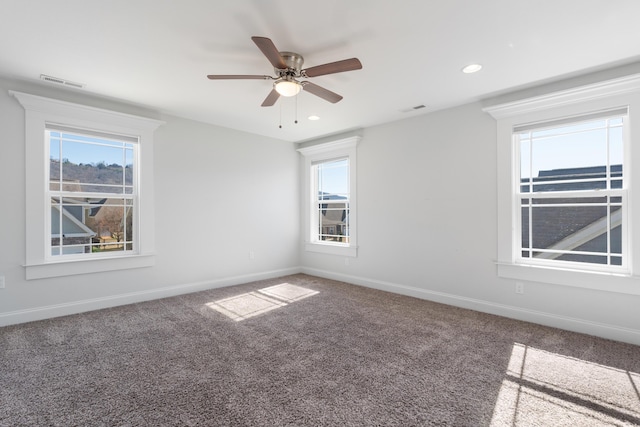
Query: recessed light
[472, 68]
[314, 118]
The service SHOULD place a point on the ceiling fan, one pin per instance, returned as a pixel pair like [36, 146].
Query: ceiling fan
[287, 67]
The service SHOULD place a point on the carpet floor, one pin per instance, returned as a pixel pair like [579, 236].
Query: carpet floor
[305, 351]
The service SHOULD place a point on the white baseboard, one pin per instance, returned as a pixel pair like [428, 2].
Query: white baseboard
[75, 307]
[613, 332]
[602, 330]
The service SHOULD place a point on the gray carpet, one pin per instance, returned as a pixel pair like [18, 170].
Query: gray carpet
[305, 351]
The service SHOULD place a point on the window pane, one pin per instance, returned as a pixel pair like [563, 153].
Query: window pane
[524, 212]
[583, 156]
[572, 229]
[68, 233]
[570, 150]
[128, 164]
[90, 164]
[91, 225]
[55, 160]
[525, 161]
[591, 259]
[334, 221]
[616, 231]
[562, 227]
[615, 145]
[571, 179]
[571, 200]
[333, 179]
[112, 223]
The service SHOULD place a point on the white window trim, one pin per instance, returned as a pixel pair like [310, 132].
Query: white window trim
[343, 148]
[39, 111]
[607, 95]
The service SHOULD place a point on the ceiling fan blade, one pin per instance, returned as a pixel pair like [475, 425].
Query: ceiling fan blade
[323, 93]
[333, 67]
[271, 98]
[270, 51]
[236, 77]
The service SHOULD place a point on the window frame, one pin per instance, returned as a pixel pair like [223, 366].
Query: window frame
[61, 193]
[315, 212]
[40, 111]
[571, 103]
[321, 153]
[569, 194]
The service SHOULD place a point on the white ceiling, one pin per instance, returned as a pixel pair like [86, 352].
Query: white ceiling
[157, 53]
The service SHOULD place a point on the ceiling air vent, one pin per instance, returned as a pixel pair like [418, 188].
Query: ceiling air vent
[60, 81]
[417, 107]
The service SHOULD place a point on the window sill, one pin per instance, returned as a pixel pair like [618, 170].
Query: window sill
[87, 266]
[601, 281]
[328, 248]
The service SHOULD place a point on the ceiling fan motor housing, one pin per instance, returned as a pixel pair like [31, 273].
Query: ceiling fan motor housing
[294, 63]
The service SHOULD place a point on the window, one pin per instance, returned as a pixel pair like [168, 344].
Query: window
[571, 200]
[566, 190]
[330, 206]
[89, 188]
[92, 191]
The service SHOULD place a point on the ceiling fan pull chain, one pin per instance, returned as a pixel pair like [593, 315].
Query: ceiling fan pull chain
[280, 126]
[296, 118]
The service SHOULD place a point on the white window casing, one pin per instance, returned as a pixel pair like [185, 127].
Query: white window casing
[595, 100]
[41, 112]
[318, 154]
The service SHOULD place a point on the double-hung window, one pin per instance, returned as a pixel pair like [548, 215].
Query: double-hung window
[89, 188]
[567, 187]
[331, 208]
[330, 197]
[571, 198]
[93, 190]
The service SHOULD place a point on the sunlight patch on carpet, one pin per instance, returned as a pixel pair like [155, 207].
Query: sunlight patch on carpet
[288, 292]
[255, 303]
[541, 387]
[245, 306]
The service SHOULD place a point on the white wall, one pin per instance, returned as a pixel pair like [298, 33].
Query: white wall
[219, 195]
[426, 221]
[427, 227]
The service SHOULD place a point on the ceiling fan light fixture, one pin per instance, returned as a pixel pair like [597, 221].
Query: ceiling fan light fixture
[288, 87]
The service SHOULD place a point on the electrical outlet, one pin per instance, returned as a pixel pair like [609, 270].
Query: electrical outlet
[519, 288]
[1, 282]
